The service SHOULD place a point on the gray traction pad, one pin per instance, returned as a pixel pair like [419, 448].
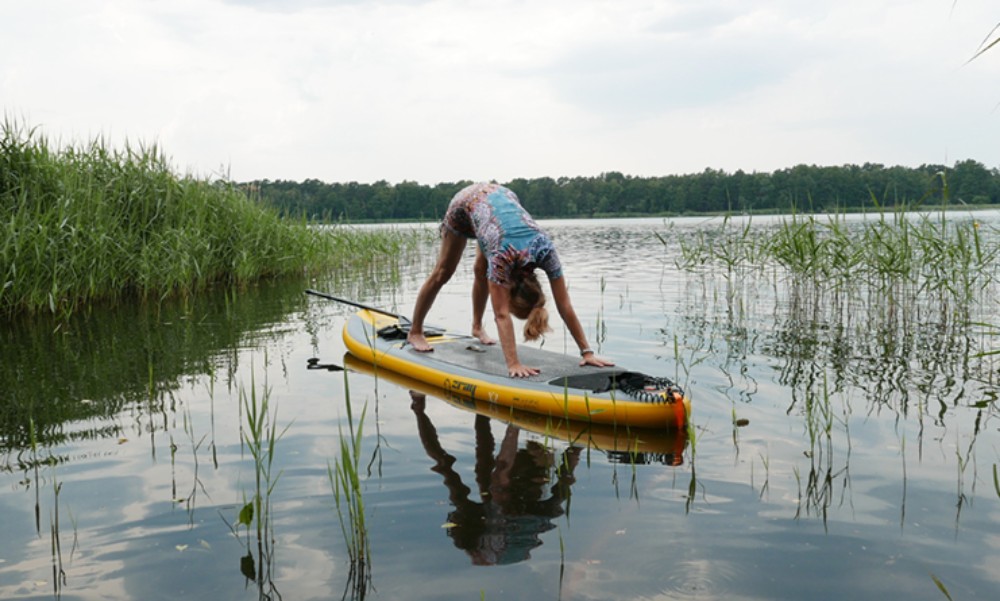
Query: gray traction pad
[471, 354]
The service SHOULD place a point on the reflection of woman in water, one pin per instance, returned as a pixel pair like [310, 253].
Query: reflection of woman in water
[504, 526]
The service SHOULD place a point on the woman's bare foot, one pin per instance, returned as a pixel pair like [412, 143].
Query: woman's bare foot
[481, 335]
[419, 343]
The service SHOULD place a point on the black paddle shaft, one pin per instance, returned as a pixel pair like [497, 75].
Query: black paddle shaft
[401, 318]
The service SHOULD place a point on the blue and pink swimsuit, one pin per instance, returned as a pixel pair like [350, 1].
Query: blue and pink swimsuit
[506, 233]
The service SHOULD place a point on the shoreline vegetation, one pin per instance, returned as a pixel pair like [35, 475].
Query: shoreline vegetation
[88, 224]
[937, 208]
[801, 189]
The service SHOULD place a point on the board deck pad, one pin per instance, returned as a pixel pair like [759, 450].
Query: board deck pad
[472, 354]
[468, 352]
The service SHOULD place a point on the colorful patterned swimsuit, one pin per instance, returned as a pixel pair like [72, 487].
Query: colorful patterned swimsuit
[506, 233]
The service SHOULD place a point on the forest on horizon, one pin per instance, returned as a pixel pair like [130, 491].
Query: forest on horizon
[802, 188]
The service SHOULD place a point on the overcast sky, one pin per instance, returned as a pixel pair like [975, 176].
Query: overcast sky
[433, 91]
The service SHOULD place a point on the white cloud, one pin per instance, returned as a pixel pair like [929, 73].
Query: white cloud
[446, 90]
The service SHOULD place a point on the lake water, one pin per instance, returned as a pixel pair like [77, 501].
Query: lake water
[844, 446]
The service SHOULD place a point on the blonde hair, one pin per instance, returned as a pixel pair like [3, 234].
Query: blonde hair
[527, 302]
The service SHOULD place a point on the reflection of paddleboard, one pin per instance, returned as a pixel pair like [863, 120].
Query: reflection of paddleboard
[623, 444]
[477, 372]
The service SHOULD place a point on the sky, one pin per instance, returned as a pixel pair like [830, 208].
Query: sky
[446, 90]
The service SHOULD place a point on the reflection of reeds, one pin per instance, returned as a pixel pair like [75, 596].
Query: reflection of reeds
[196, 483]
[34, 460]
[345, 480]
[962, 464]
[562, 557]
[819, 419]
[58, 573]
[766, 462]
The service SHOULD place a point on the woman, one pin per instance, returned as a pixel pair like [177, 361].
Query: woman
[511, 246]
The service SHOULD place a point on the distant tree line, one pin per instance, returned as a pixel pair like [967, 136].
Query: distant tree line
[803, 188]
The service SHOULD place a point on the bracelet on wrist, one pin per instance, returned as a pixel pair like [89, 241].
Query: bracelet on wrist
[583, 352]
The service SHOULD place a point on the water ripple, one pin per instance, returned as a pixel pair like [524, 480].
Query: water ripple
[701, 579]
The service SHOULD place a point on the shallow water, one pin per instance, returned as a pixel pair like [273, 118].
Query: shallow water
[865, 471]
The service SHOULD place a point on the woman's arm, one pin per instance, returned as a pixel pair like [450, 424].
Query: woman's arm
[560, 294]
[500, 297]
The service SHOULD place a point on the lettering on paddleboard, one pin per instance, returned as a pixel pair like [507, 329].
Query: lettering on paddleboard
[465, 389]
[456, 396]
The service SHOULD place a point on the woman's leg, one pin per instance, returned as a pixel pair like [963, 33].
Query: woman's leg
[452, 247]
[480, 294]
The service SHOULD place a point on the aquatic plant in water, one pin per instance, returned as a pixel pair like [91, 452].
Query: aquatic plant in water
[345, 480]
[887, 250]
[260, 438]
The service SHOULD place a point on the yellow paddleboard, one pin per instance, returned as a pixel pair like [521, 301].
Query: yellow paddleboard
[622, 444]
[464, 368]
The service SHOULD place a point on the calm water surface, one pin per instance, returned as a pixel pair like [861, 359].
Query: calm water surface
[863, 465]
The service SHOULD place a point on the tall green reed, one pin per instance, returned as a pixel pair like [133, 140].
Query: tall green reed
[941, 587]
[259, 435]
[345, 480]
[996, 480]
[903, 252]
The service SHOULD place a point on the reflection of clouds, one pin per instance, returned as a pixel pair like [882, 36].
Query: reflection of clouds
[86, 578]
[129, 536]
[988, 562]
[675, 564]
[650, 547]
[318, 561]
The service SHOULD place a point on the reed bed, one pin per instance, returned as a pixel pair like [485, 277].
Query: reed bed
[922, 252]
[88, 223]
[885, 306]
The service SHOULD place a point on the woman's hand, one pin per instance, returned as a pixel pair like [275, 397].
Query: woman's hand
[519, 370]
[592, 359]
[500, 295]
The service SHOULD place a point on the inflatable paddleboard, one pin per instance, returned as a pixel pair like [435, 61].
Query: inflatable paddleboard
[621, 444]
[465, 368]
